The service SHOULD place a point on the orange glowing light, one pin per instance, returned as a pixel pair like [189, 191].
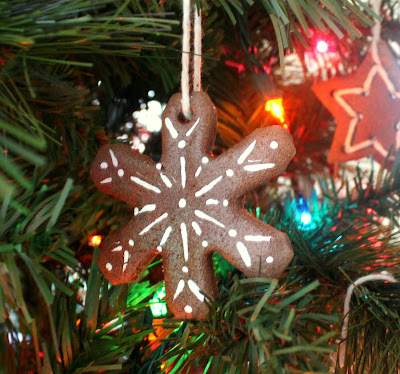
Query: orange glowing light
[95, 240]
[275, 107]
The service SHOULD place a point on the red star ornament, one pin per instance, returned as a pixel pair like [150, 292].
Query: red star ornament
[189, 205]
[366, 105]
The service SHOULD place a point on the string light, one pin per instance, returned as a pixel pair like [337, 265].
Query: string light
[157, 303]
[95, 240]
[275, 107]
[322, 46]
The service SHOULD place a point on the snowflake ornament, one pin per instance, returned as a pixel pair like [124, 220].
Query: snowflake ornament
[189, 205]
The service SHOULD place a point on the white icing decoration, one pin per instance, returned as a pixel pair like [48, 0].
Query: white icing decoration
[188, 309]
[246, 152]
[225, 203]
[202, 215]
[196, 290]
[208, 187]
[193, 127]
[165, 236]
[182, 203]
[212, 202]
[121, 172]
[104, 165]
[171, 128]
[182, 144]
[117, 249]
[179, 288]
[232, 233]
[131, 242]
[159, 166]
[145, 184]
[107, 180]
[254, 160]
[197, 172]
[257, 238]
[166, 180]
[229, 173]
[113, 158]
[270, 259]
[159, 248]
[196, 228]
[183, 171]
[204, 243]
[244, 253]
[126, 258]
[259, 167]
[185, 269]
[159, 219]
[273, 144]
[146, 208]
[205, 160]
[185, 241]
[109, 266]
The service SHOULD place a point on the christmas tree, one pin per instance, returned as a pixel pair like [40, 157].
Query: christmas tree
[79, 74]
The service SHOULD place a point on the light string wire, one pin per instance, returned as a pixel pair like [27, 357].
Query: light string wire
[197, 59]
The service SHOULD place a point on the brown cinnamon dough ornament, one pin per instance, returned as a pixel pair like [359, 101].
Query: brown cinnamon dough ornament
[188, 206]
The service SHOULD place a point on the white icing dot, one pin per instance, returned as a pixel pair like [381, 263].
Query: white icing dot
[182, 203]
[270, 259]
[159, 248]
[205, 160]
[181, 144]
[188, 309]
[185, 269]
[104, 165]
[204, 243]
[229, 173]
[225, 203]
[232, 233]
[108, 266]
[121, 173]
[159, 166]
[131, 242]
[273, 144]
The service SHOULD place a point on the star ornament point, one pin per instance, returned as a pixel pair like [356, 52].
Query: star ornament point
[188, 205]
[366, 106]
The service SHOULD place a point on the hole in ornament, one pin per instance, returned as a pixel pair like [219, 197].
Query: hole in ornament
[397, 126]
[365, 93]
[183, 119]
[360, 116]
[392, 95]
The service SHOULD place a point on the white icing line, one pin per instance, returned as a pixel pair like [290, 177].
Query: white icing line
[197, 172]
[159, 219]
[126, 259]
[113, 158]
[146, 208]
[185, 269]
[117, 249]
[183, 171]
[196, 290]
[270, 259]
[158, 166]
[182, 203]
[185, 241]
[166, 235]
[107, 180]
[131, 242]
[171, 128]
[196, 228]
[257, 238]
[202, 215]
[246, 152]
[212, 202]
[225, 202]
[166, 180]
[145, 184]
[259, 167]
[193, 127]
[104, 165]
[253, 160]
[179, 288]
[244, 253]
[188, 309]
[121, 172]
[109, 266]
[208, 187]
[182, 144]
